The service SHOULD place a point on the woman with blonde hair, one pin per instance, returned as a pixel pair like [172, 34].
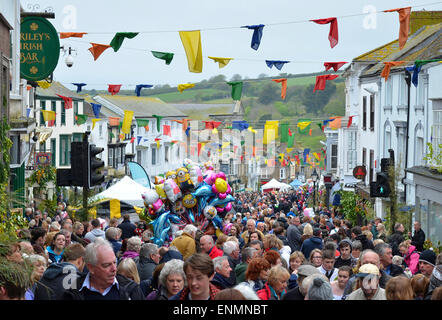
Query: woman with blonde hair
[399, 288]
[128, 268]
[272, 242]
[39, 265]
[382, 232]
[307, 232]
[315, 258]
[410, 254]
[276, 285]
[297, 259]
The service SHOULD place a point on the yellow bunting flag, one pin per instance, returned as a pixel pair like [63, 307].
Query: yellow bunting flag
[184, 86]
[270, 131]
[289, 150]
[43, 84]
[221, 61]
[317, 156]
[251, 130]
[127, 121]
[48, 115]
[94, 121]
[225, 145]
[192, 45]
[303, 124]
[158, 142]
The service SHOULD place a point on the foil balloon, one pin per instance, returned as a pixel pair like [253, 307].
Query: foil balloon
[152, 200]
[183, 179]
[171, 175]
[159, 188]
[209, 212]
[220, 187]
[158, 180]
[203, 191]
[189, 201]
[209, 177]
[221, 202]
[196, 175]
[172, 190]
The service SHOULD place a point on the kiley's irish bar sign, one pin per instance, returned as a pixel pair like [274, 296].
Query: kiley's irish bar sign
[39, 48]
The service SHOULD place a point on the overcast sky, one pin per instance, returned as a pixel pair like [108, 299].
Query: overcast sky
[304, 43]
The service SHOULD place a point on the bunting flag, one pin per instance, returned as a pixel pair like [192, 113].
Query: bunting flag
[114, 88]
[334, 65]
[283, 82]
[325, 122]
[304, 126]
[336, 123]
[81, 118]
[146, 128]
[192, 45]
[270, 131]
[417, 68]
[236, 89]
[240, 125]
[118, 39]
[67, 101]
[158, 121]
[184, 122]
[252, 130]
[306, 152]
[166, 56]
[404, 21]
[127, 121]
[284, 132]
[142, 122]
[79, 86]
[321, 80]
[319, 124]
[310, 132]
[139, 139]
[222, 62]
[64, 35]
[48, 115]
[350, 120]
[212, 124]
[43, 84]
[138, 88]
[333, 36]
[290, 140]
[111, 134]
[113, 121]
[184, 86]
[297, 160]
[167, 130]
[388, 64]
[277, 63]
[96, 108]
[317, 156]
[97, 49]
[94, 121]
[121, 136]
[132, 140]
[257, 35]
[225, 145]
[28, 112]
[188, 131]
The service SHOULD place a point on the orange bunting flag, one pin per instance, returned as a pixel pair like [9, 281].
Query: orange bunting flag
[97, 49]
[64, 35]
[283, 82]
[336, 123]
[404, 21]
[388, 64]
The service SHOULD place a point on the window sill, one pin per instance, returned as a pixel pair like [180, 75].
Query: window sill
[402, 107]
[388, 108]
[419, 108]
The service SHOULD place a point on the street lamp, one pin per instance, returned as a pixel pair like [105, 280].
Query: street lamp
[314, 177]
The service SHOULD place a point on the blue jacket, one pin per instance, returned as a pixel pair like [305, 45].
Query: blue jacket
[309, 244]
[53, 256]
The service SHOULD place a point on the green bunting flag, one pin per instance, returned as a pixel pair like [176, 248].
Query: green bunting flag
[118, 39]
[284, 132]
[236, 89]
[158, 121]
[81, 118]
[290, 141]
[142, 122]
[111, 134]
[166, 56]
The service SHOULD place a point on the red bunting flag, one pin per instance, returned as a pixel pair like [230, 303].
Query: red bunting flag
[114, 88]
[320, 81]
[350, 120]
[333, 34]
[334, 65]
[290, 132]
[212, 124]
[132, 140]
[97, 49]
[67, 101]
[166, 130]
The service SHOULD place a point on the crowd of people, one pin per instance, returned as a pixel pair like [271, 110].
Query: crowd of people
[270, 248]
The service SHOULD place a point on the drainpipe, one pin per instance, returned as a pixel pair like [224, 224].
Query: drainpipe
[408, 81]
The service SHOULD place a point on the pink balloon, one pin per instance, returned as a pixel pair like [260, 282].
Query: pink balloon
[210, 177]
[228, 207]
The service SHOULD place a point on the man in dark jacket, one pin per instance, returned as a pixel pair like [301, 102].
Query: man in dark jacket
[102, 281]
[222, 273]
[418, 238]
[294, 234]
[298, 292]
[149, 259]
[59, 276]
[396, 238]
[385, 255]
[314, 242]
[356, 233]
[127, 227]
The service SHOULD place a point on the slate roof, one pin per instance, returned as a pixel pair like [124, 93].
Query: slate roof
[197, 111]
[57, 88]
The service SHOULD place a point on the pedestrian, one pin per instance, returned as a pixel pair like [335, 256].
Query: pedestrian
[127, 227]
[186, 242]
[296, 260]
[345, 258]
[251, 227]
[149, 258]
[247, 254]
[172, 280]
[399, 288]
[112, 235]
[132, 249]
[298, 292]
[257, 273]
[318, 288]
[356, 249]
[314, 242]
[396, 238]
[276, 284]
[420, 285]
[315, 258]
[96, 231]
[221, 279]
[427, 260]
[327, 267]
[128, 268]
[368, 284]
[294, 234]
[102, 281]
[199, 270]
[381, 232]
[231, 250]
[386, 258]
[39, 265]
[410, 255]
[207, 245]
[56, 249]
[338, 286]
[356, 233]
[418, 237]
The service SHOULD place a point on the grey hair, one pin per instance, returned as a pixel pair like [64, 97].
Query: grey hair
[218, 262]
[174, 266]
[247, 253]
[356, 244]
[209, 238]
[33, 258]
[381, 247]
[55, 225]
[65, 232]
[230, 246]
[147, 249]
[90, 256]
[134, 244]
[363, 253]
[190, 228]
[308, 281]
[247, 291]
[112, 233]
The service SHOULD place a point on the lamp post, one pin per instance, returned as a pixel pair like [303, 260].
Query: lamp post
[314, 177]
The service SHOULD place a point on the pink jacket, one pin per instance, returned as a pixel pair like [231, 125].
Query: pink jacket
[412, 259]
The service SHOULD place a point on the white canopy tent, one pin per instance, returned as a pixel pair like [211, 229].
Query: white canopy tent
[125, 190]
[272, 185]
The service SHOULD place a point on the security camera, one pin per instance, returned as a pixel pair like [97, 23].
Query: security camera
[69, 61]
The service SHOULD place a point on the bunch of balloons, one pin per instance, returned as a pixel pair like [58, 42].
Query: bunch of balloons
[189, 194]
